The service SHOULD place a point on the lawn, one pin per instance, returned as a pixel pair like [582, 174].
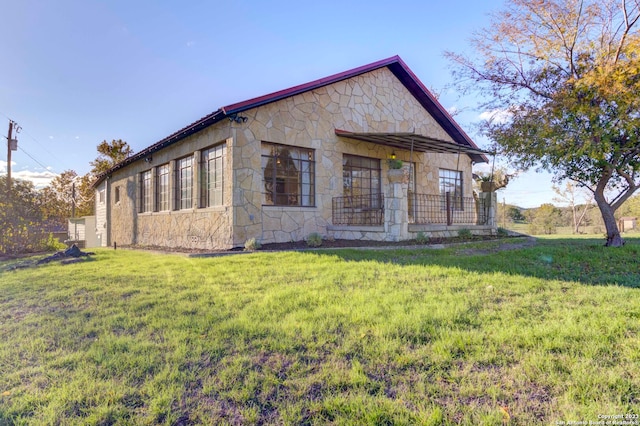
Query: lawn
[465, 335]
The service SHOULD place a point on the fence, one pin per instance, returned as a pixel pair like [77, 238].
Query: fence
[446, 209]
[365, 210]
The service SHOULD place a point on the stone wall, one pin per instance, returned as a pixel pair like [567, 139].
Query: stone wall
[372, 102]
[196, 228]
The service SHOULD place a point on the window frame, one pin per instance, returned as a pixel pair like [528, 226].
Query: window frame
[356, 168]
[445, 179]
[145, 198]
[289, 175]
[163, 188]
[212, 164]
[184, 183]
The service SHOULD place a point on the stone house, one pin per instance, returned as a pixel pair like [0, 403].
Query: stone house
[314, 158]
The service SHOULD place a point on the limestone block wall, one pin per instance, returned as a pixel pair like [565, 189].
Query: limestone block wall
[373, 102]
[208, 229]
[197, 228]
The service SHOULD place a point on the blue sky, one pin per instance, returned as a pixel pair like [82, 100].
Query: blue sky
[76, 72]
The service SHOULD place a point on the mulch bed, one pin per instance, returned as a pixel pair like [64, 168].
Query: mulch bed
[299, 245]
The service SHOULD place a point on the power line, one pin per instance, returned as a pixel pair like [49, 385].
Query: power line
[30, 156]
[42, 146]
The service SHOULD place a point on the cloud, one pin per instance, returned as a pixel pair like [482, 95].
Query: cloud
[191, 43]
[3, 166]
[39, 179]
[453, 110]
[496, 115]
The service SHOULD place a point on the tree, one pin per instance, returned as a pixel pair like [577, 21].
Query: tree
[570, 196]
[631, 207]
[515, 214]
[565, 75]
[110, 154]
[67, 195]
[544, 219]
[21, 221]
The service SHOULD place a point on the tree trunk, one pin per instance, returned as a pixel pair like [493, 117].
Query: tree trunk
[611, 225]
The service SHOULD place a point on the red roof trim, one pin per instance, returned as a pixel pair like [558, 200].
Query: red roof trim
[394, 63]
[275, 96]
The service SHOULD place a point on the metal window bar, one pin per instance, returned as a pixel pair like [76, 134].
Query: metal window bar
[367, 210]
[440, 209]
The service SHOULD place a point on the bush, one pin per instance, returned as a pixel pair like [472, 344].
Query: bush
[465, 234]
[53, 244]
[422, 238]
[252, 244]
[314, 240]
[502, 232]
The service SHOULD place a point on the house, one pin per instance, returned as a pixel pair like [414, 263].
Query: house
[627, 223]
[82, 232]
[314, 158]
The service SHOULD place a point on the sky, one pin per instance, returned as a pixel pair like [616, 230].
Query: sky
[77, 72]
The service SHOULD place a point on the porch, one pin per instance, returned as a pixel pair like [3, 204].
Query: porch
[394, 218]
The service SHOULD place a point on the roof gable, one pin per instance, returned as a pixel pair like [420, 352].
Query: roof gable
[394, 64]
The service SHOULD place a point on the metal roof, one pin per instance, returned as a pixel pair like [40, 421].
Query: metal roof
[394, 64]
[415, 142]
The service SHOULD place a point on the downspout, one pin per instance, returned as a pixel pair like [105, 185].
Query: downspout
[107, 185]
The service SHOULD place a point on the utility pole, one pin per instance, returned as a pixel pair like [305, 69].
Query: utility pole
[9, 157]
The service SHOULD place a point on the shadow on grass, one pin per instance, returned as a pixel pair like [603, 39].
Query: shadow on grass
[583, 260]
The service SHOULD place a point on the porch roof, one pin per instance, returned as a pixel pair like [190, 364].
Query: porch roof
[417, 142]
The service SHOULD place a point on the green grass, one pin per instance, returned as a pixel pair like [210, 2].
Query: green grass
[457, 336]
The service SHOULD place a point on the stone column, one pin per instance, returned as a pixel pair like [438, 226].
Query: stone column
[396, 206]
[489, 202]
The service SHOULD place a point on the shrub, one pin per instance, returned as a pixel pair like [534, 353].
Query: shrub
[252, 244]
[53, 244]
[465, 234]
[314, 240]
[502, 232]
[394, 163]
[422, 238]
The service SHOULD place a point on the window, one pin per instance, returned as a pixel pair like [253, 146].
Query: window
[361, 180]
[184, 183]
[211, 184]
[101, 196]
[451, 182]
[116, 197]
[145, 192]
[289, 175]
[162, 188]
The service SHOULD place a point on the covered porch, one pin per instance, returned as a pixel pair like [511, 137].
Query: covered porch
[399, 213]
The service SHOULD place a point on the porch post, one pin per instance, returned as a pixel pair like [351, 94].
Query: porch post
[396, 209]
[489, 203]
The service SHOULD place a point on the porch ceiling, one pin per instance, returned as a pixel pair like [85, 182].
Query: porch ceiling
[419, 143]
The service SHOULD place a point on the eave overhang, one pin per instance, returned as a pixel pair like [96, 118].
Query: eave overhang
[394, 64]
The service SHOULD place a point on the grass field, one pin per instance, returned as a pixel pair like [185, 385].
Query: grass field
[465, 335]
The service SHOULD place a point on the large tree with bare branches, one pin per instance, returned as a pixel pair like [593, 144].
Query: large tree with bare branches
[565, 74]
